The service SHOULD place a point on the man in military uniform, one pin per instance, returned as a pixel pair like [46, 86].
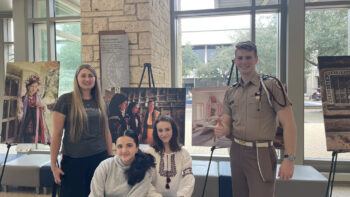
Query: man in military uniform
[250, 109]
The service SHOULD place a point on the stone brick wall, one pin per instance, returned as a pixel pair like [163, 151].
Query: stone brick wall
[147, 24]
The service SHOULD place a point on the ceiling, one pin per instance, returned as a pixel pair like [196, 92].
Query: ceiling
[5, 5]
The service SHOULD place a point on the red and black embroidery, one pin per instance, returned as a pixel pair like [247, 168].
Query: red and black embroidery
[166, 172]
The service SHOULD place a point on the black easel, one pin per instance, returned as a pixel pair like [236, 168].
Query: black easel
[332, 173]
[150, 74]
[206, 176]
[214, 147]
[4, 165]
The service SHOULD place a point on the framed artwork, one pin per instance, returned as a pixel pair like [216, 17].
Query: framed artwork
[138, 108]
[335, 94]
[31, 91]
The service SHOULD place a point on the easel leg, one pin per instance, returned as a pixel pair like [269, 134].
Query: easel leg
[152, 79]
[143, 73]
[4, 165]
[332, 174]
[149, 75]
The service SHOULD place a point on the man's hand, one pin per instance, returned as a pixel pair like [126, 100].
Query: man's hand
[220, 130]
[286, 170]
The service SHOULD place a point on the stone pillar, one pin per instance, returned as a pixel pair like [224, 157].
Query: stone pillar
[147, 24]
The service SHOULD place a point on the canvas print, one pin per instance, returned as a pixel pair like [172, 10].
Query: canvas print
[207, 108]
[335, 93]
[138, 108]
[30, 92]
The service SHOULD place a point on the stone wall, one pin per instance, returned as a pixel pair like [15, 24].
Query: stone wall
[147, 24]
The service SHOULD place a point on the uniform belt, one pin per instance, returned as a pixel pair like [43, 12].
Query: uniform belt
[253, 144]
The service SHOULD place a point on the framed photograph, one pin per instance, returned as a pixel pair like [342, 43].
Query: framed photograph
[31, 90]
[207, 108]
[335, 93]
[138, 108]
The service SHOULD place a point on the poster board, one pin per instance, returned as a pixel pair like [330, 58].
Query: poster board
[166, 101]
[114, 60]
[207, 107]
[31, 90]
[335, 92]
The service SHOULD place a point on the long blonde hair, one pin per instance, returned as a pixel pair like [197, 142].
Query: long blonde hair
[78, 116]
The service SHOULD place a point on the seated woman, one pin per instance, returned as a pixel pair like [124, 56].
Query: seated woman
[173, 163]
[129, 173]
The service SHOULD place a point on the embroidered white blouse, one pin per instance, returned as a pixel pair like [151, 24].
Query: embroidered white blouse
[178, 167]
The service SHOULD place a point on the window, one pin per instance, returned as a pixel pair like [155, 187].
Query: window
[9, 55]
[326, 33]
[215, 4]
[207, 39]
[56, 36]
[40, 42]
[67, 48]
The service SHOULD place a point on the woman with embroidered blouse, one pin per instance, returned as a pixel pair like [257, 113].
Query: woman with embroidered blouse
[173, 163]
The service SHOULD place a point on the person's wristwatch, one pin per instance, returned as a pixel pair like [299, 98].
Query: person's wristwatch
[289, 157]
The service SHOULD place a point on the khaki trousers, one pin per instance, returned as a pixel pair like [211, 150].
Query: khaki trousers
[253, 171]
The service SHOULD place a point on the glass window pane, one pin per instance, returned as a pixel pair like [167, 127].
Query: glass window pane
[9, 53]
[206, 56]
[3, 131]
[67, 7]
[8, 30]
[232, 3]
[267, 2]
[68, 53]
[39, 8]
[211, 4]
[14, 87]
[207, 46]
[326, 33]
[40, 42]
[5, 109]
[11, 130]
[13, 107]
[267, 42]
[308, 1]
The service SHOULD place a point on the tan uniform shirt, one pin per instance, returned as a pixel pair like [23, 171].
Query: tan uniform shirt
[254, 120]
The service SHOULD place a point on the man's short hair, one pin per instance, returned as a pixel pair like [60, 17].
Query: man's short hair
[247, 45]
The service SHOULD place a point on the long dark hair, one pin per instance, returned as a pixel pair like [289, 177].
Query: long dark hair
[113, 108]
[174, 143]
[142, 162]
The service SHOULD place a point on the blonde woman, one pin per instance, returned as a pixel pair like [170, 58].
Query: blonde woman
[87, 140]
